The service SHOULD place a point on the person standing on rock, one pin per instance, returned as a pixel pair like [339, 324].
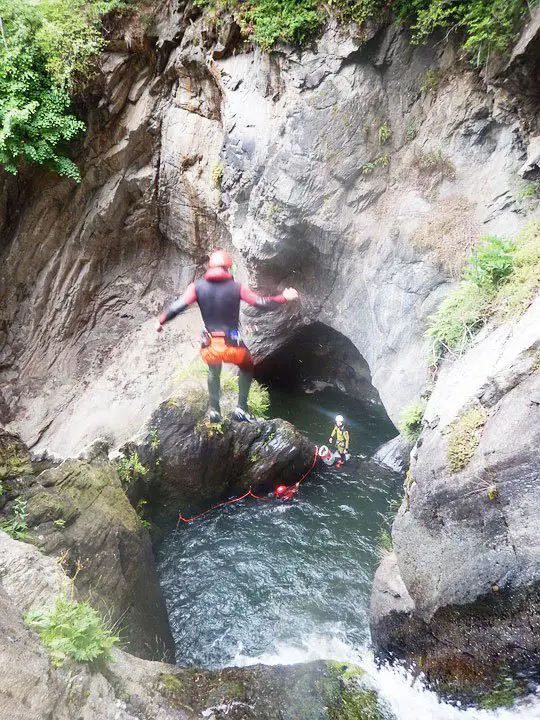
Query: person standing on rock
[218, 296]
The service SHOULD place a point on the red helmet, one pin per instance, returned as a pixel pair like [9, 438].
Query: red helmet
[220, 258]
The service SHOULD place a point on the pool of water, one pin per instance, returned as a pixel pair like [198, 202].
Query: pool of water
[284, 582]
[244, 581]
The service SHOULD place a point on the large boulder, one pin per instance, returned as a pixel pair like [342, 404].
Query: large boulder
[188, 463]
[464, 582]
[79, 513]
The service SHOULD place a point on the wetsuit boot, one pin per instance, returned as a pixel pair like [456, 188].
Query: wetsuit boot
[241, 411]
[214, 391]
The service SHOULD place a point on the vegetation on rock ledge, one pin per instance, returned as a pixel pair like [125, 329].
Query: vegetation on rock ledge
[72, 630]
[500, 281]
[485, 26]
[464, 438]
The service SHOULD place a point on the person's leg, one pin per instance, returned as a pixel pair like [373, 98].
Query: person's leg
[241, 357]
[244, 383]
[214, 389]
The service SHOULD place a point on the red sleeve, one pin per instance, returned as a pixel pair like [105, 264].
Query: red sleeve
[251, 298]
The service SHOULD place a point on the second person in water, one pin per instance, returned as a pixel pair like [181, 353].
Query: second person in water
[218, 296]
[341, 434]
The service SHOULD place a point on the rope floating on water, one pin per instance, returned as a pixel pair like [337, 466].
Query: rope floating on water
[290, 490]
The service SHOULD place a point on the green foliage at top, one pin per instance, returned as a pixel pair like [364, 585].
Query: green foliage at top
[410, 423]
[491, 263]
[487, 26]
[46, 52]
[269, 21]
[72, 630]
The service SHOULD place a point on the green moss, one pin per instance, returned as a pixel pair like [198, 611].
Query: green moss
[385, 542]
[410, 423]
[217, 174]
[504, 694]
[14, 459]
[464, 438]
[358, 705]
[354, 701]
[172, 683]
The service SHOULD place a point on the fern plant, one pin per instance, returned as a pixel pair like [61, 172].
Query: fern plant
[72, 630]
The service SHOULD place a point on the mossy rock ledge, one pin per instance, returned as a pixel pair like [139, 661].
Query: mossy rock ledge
[190, 463]
[79, 513]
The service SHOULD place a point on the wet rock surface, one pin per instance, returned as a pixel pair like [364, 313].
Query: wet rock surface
[462, 588]
[193, 463]
[79, 514]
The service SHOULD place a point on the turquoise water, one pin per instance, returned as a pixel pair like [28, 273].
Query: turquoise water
[245, 582]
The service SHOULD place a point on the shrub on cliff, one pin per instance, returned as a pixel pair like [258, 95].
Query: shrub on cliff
[501, 279]
[72, 630]
[486, 26]
[46, 52]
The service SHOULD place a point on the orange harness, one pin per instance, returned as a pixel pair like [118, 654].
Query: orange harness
[219, 352]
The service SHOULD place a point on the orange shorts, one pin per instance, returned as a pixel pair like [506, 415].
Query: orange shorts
[219, 352]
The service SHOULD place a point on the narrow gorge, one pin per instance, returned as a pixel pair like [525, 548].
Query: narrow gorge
[384, 179]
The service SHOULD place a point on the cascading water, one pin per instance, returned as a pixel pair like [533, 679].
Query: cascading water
[284, 582]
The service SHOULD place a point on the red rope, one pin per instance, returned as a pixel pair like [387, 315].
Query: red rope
[250, 492]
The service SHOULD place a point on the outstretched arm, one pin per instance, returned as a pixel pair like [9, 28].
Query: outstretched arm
[266, 303]
[178, 306]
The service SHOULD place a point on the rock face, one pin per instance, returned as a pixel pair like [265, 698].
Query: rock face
[463, 588]
[351, 171]
[79, 513]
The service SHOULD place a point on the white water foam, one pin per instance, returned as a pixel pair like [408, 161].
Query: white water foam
[404, 695]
